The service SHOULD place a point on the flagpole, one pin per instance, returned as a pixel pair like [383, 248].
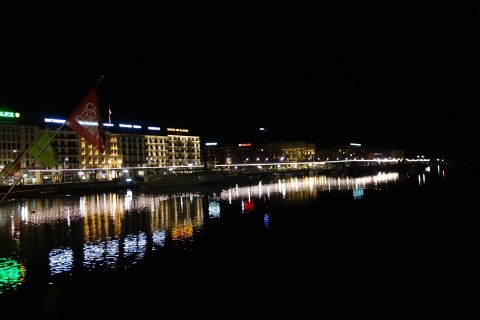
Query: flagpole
[41, 151]
[100, 80]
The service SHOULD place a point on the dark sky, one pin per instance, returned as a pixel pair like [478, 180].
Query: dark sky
[398, 75]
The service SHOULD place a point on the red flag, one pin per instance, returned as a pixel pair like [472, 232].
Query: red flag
[86, 120]
[12, 167]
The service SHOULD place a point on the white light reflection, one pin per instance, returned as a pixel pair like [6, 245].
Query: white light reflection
[128, 200]
[68, 217]
[213, 208]
[421, 178]
[101, 254]
[51, 212]
[60, 260]
[24, 212]
[158, 238]
[135, 246]
[12, 226]
[82, 206]
[289, 187]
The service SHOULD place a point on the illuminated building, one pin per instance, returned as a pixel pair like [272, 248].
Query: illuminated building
[129, 150]
[298, 151]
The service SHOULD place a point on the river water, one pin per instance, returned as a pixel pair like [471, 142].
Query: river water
[390, 244]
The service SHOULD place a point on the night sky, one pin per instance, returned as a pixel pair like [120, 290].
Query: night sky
[395, 76]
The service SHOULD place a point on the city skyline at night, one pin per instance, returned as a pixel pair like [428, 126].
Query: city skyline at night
[257, 139]
[386, 75]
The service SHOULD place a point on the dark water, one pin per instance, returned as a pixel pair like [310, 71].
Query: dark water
[389, 245]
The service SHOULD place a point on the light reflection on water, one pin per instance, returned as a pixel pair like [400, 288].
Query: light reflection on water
[307, 186]
[112, 231]
[60, 260]
[116, 231]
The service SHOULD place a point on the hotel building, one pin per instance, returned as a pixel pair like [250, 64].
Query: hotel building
[131, 151]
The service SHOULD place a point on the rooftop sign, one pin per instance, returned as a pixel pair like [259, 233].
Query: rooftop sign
[9, 114]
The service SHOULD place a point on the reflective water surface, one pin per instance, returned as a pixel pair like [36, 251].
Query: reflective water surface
[297, 240]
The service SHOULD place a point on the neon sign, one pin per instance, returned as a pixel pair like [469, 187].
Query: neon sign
[177, 130]
[9, 114]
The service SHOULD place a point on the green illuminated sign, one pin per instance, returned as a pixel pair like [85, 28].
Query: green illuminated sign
[9, 114]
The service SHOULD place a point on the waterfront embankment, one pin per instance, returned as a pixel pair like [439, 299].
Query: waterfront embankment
[203, 178]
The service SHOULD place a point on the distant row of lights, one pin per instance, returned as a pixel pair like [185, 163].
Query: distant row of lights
[121, 125]
[138, 127]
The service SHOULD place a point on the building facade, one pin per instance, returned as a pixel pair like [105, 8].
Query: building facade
[129, 152]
